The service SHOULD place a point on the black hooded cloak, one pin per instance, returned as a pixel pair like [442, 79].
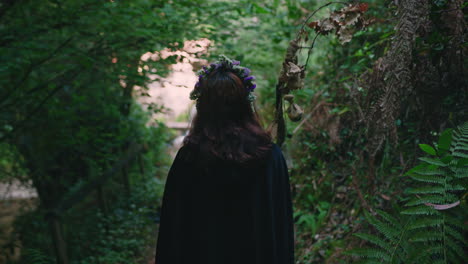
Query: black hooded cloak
[226, 214]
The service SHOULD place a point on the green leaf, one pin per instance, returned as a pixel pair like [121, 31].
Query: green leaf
[447, 159]
[414, 169]
[462, 163]
[260, 9]
[433, 161]
[428, 149]
[445, 140]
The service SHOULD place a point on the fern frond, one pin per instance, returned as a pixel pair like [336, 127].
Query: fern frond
[424, 254]
[429, 236]
[456, 248]
[369, 261]
[455, 187]
[436, 199]
[462, 146]
[369, 253]
[428, 171]
[35, 256]
[420, 210]
[386, 230]
[461, 173]
[426, 236]
[426, 222]
[459, 138]
[374, 240]
[432, 161]
[460, 155]
[427, 190]
[428, 178]
[388, 218]
[454, 234]
[456, 223]
[459, 147]
[400, 246]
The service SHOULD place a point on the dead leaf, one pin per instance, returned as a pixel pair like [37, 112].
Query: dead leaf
[336, 17]
[351, 19]
[326, 26]
[293, 69]
[443, 206]
[385, 197]
[363, 7]
[313, 24]
[345, 34]
[295, 112]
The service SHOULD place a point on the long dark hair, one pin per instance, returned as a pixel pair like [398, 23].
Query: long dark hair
[226, 126]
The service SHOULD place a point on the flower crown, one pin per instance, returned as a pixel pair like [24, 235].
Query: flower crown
[232, 66]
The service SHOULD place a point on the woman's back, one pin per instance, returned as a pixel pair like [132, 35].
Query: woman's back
[227, 197]
[226, 213]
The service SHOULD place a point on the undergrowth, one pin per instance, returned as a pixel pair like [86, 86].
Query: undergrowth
[430, 228]
[125, 233]
[120, 236]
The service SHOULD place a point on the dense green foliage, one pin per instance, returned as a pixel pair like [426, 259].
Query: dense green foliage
[68, 75]
[334, 175]
[123, 235]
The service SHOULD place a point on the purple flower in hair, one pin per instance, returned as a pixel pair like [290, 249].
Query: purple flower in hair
[229, 65]
[249, 78]
[215, 65]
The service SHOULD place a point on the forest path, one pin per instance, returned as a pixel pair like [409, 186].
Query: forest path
[10, 208]
[16, 190]
[173, 91]
[15, 199]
